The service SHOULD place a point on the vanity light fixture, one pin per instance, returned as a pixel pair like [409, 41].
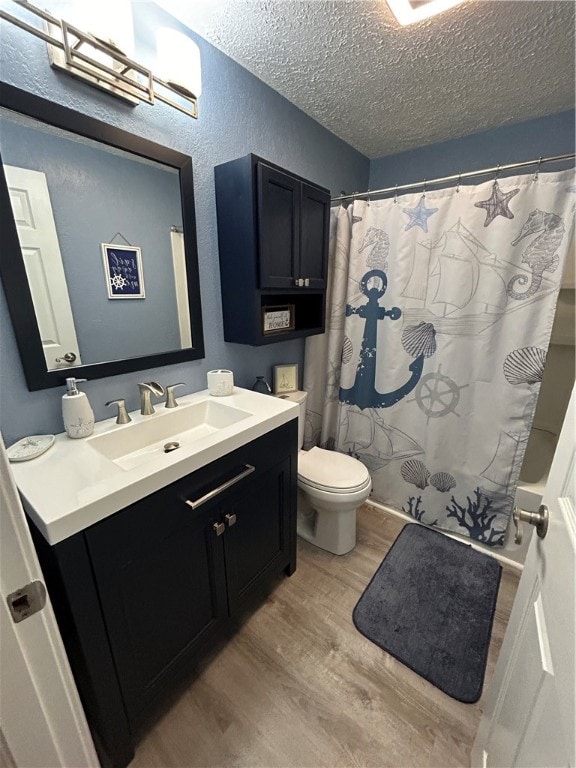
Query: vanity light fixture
[99, 61]
[411, 11]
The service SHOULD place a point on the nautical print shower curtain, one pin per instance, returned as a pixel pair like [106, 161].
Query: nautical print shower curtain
[440, 308]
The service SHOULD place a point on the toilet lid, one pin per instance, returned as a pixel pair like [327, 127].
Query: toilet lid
[331, 470]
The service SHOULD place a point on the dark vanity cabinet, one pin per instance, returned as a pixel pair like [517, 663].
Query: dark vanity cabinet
[142, 594]
[273, 244]
[292, 218]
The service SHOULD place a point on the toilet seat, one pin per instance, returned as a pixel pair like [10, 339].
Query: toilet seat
[331, 471]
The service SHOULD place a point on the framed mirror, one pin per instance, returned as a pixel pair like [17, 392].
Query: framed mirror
[98, 261]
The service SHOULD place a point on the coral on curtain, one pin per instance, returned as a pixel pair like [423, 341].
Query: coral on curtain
[440, 309]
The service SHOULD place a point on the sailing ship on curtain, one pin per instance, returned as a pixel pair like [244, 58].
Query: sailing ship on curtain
[440, 309]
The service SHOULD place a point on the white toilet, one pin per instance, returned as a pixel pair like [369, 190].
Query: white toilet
[331, 487]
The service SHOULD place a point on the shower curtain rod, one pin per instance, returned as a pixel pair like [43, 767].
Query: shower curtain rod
[455, 177]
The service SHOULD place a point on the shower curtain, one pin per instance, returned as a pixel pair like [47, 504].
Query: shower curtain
[440, 308]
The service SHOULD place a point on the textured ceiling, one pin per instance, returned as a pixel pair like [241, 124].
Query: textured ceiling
[384, 88]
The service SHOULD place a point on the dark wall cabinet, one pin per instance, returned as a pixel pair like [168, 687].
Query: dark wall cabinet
[139, 595]
[273, 243]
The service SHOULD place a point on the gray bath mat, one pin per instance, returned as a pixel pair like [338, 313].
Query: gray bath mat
[431, 604]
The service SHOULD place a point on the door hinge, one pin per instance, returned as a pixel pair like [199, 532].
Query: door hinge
[26, 601]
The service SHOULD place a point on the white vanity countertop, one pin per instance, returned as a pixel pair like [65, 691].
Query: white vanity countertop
[73, 486]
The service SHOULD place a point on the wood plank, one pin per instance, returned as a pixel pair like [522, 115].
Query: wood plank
[298, 685]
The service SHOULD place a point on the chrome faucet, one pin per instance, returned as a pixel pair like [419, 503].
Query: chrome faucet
[147, 389]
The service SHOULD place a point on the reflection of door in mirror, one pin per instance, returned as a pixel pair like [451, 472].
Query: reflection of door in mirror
[39, 242]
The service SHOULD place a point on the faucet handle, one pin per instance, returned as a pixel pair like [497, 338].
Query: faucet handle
[123, 416]
[170, 399]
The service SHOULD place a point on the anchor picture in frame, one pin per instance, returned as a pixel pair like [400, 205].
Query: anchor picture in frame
[123, 271]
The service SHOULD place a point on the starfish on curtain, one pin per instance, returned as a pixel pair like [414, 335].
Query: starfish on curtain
[497, 203]
[419, 215]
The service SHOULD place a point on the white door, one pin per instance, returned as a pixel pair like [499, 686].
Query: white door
[530, 716]
[41, 718]
[41, 251]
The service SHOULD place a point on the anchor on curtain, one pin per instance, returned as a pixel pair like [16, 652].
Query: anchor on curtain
[439, 313]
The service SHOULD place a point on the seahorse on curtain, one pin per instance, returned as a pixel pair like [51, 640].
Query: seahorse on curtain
[540, 255]
[379, 242]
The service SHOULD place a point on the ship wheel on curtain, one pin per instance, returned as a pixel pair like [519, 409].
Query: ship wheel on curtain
[437, 395]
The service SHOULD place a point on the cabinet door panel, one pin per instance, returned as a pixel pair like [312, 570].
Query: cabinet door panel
[278, 227]
[258, 542]
[314, 235]
[159, 572]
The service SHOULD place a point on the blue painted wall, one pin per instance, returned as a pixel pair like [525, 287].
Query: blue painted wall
[545, 136]
[238, 115]
[98, 196]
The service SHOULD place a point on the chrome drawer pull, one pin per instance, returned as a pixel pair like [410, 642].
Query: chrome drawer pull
[218, 528]
[230, 519]
[221, 488]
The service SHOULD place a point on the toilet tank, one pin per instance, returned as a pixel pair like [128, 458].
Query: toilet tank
[300, 398]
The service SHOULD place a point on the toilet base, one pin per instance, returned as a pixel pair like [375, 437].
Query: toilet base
[326, 526]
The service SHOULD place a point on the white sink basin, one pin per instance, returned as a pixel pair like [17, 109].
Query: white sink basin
[135, 444]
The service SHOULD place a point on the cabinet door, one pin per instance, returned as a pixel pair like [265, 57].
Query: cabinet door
[314, 224]
[278, 227]
[159, 570]
[257, 544]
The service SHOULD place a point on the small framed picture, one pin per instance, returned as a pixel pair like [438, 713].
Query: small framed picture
[277, 319]
[123, 270]
[285, 378]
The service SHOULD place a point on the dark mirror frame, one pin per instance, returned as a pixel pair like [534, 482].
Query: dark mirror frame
[13, 272]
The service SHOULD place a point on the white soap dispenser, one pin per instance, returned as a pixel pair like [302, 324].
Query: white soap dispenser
[77, 414]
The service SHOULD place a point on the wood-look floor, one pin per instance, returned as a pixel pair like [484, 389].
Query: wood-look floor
[298, 685]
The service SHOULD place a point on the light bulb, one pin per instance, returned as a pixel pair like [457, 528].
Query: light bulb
[178, 60]
[110, 21]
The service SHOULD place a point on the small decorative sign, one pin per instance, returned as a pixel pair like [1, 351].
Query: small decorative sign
[285, 378]
[123, 269]
[277, 319]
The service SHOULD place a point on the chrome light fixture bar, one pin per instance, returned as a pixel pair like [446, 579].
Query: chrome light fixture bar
[110, 71]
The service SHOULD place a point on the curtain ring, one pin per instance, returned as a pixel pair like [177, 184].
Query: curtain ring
[368, 197]
[536, 174]
[497, 173]
[458, 184]
[395, 194]
[424, 190]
